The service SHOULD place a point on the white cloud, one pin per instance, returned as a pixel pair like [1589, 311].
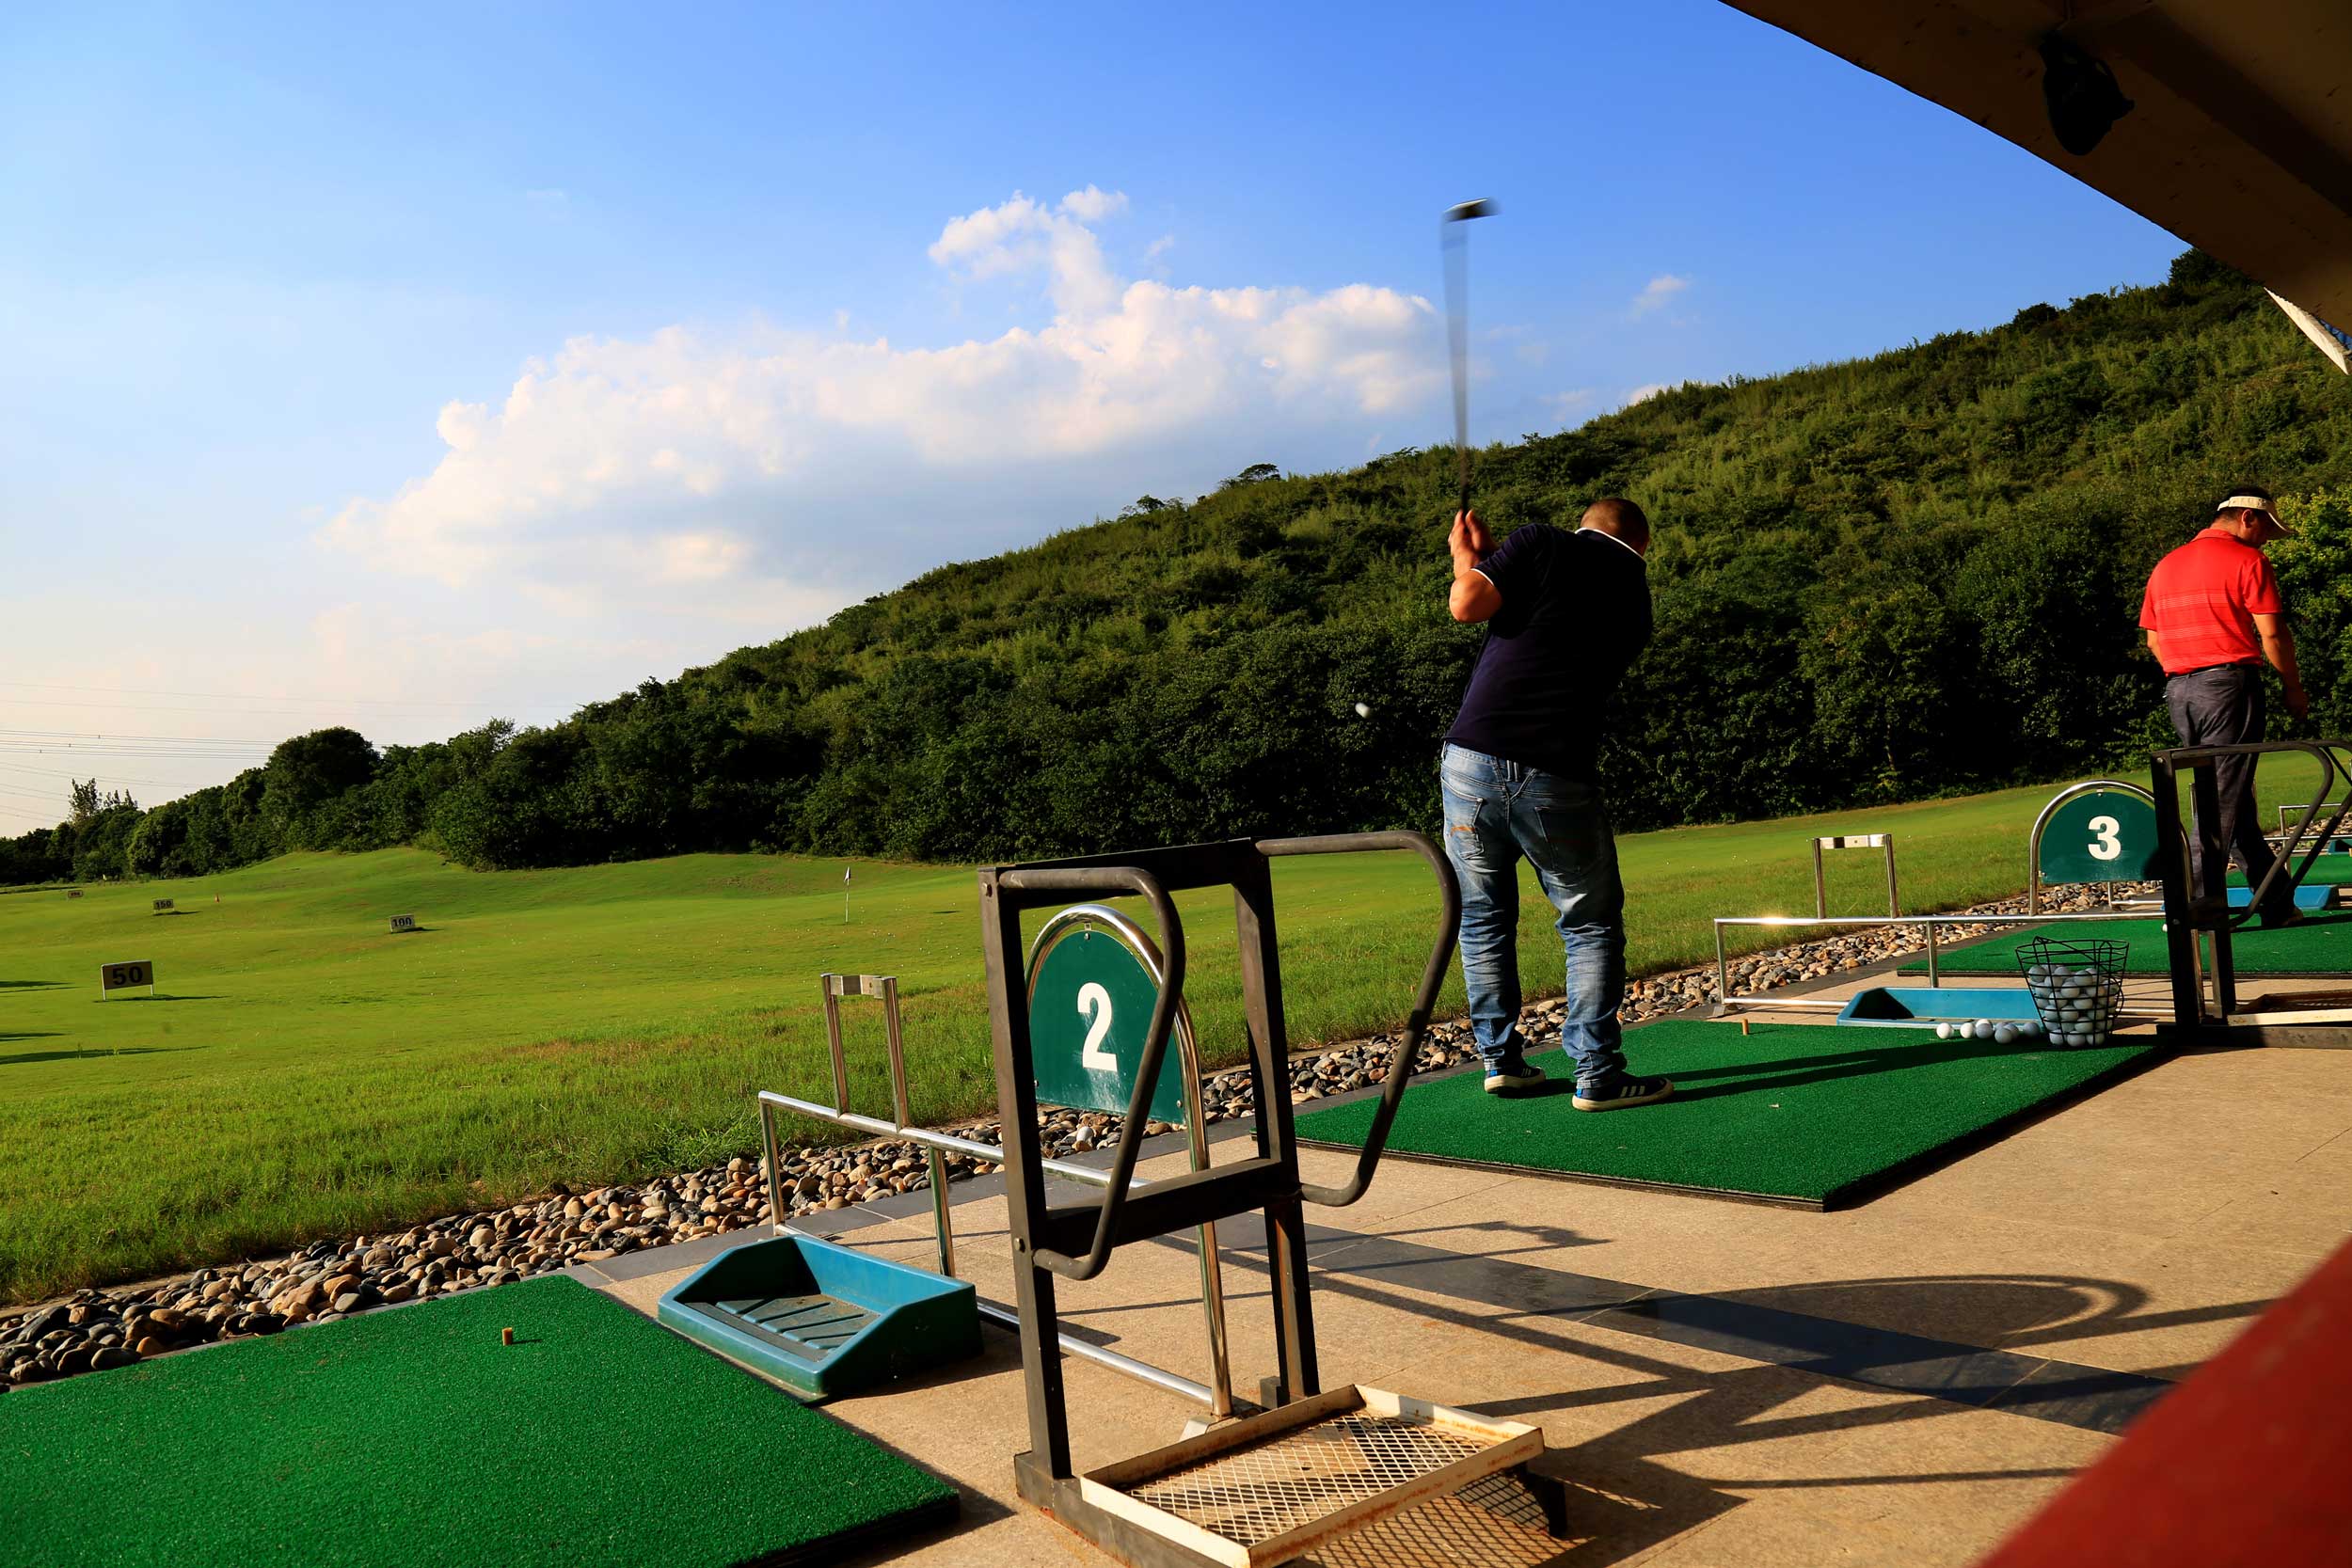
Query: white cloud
[1644, 393]
[1657, 291]
[723, 464]
[1093, 206]
[1569, 404]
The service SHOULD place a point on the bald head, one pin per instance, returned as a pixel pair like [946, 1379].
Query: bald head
[1620, 519]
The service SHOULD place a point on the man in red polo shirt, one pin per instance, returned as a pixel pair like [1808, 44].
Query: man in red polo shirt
[2213, 613]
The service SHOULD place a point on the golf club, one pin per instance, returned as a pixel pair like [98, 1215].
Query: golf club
[1453, 241]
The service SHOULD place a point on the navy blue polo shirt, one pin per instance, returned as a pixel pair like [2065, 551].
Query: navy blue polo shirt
[1575, 614]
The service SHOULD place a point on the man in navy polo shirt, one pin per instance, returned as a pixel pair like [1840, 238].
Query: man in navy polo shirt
[1566, 613]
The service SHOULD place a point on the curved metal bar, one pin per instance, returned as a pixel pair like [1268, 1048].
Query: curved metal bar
[1218, 1394]
[1424, 1002]
[2033, 840]
[1115, 879]
[2331, 768]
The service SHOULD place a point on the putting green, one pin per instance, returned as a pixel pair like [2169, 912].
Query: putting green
[413, 1436]
[1809, 1115]
[2322, 944]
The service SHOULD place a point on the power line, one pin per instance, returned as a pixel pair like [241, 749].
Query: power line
[240, 712]
[95, 734]
[483, 706]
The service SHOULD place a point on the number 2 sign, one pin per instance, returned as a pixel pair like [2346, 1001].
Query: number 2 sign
[1090, 1000]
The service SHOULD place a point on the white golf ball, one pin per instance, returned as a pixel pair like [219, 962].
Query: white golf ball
[1943, 1031]
[2005, 1034]
[1982, 1029]
[1363, 710]
[2038, 973]
[2029, 1028]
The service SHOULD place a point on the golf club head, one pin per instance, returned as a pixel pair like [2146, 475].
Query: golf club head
[1457, 323]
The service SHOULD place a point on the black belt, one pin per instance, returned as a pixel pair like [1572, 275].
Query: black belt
[2207, 669]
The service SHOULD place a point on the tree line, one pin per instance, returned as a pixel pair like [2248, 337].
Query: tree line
[1890, 579]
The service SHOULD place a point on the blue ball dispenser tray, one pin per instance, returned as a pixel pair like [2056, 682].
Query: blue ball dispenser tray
[825, 1320]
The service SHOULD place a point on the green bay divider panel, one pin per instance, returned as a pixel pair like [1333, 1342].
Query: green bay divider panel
[2104, 836]
[1089, 1009]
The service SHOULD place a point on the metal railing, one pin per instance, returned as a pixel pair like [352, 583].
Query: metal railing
[1218, 1394]
[1726, 1002]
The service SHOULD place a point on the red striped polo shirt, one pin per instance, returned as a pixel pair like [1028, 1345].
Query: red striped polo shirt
[2201, 601]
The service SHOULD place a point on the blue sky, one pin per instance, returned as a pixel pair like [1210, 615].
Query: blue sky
[405, 368]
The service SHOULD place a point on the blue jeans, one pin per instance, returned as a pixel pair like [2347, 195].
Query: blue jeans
[1495, 813]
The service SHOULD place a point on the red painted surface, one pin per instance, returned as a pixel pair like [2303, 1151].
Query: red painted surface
[2247, 1465]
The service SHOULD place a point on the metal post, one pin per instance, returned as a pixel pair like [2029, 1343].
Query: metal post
[1212, 1270]
[942, 1224]
[1894, 899]
[1723, 972]
[1297, 1371]
[774, 1154]
[1935, 972]
[1821, 888]
[831, 983]
[1046, 1460]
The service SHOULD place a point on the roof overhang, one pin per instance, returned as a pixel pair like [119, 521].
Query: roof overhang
[2240, 139]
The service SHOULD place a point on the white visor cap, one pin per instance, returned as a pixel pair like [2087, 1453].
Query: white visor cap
[2255, 503]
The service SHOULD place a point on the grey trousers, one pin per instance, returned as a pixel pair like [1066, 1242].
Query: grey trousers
[2224, 706]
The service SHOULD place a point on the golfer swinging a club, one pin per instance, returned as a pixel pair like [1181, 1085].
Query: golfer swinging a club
[1567, 613]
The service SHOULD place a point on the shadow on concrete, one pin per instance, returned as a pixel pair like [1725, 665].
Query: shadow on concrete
[1626, 1497]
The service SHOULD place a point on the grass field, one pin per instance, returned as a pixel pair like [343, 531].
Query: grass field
[303, 1072]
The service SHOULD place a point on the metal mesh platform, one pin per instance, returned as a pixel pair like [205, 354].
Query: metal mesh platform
[1272, 1488]
[1495, 1523]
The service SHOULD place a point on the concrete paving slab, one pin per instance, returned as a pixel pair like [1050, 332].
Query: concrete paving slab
[1900, 1382]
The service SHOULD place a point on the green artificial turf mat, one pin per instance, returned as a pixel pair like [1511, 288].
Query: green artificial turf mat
[1807, 1114]
[414, 1436]
[2321, 945]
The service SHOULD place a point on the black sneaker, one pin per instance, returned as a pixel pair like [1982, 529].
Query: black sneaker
[1512, 1075]
[1620, 1092]
[2274, 920]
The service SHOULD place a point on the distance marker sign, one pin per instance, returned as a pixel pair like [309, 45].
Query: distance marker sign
[122, 976]
[404, 923]
[1090, 1000]
[2104, 835]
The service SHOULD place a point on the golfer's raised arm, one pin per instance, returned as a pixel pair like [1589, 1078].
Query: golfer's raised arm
[1473, 597]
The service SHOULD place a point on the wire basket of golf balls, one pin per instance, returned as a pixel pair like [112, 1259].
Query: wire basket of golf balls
[2077, 987]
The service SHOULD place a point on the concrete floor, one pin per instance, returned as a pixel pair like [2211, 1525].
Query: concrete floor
[1719, 1383]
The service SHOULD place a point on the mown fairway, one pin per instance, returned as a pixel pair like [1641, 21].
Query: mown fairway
[301, 1071]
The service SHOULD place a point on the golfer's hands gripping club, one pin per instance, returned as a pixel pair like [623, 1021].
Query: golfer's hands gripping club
[1472, 598]
[1469, 541]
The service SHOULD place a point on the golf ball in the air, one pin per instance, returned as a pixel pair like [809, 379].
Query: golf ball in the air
[1363, 710]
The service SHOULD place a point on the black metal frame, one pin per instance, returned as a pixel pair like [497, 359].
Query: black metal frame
[2191, 908]
[1075, 1240]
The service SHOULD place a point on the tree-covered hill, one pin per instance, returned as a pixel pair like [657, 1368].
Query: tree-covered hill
[1887, 578]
